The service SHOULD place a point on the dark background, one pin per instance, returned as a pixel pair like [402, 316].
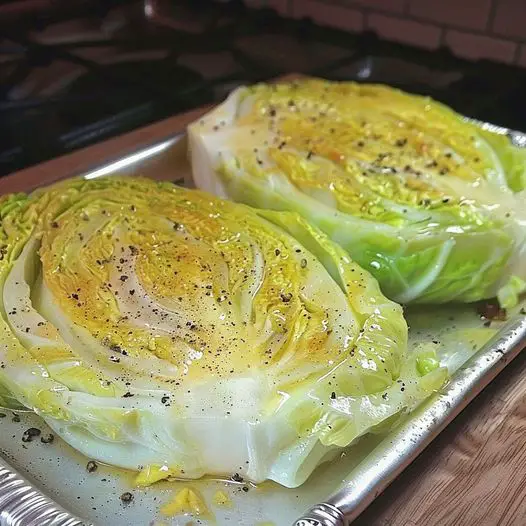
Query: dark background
[74, 73]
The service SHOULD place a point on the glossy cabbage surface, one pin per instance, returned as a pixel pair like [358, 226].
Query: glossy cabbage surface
[169, 332]
[431, 205]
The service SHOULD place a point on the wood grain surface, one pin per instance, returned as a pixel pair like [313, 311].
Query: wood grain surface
[474, 474]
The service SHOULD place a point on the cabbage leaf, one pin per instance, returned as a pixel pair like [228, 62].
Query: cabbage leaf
[428, 203]
[169, 332]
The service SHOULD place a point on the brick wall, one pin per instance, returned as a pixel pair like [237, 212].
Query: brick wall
[472, 29]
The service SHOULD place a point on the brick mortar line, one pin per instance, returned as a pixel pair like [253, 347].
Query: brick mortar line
[443, 28]
[408, 16]
[491, 16]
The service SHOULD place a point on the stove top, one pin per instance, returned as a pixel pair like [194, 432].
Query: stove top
[82, 71]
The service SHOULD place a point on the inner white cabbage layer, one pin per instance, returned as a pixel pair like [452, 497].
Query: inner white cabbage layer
[165, 331]
[431, 205]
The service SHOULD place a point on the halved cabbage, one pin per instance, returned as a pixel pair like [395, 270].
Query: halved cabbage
[422, 199]
[166, 331]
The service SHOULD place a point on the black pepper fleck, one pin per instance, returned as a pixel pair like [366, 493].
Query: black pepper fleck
[47, 439]
[30, 434]
[126, 497]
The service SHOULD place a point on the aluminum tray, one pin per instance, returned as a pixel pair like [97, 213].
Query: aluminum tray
[32, 484]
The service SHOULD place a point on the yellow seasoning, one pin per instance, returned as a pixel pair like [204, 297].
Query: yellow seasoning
[187, 500]
[154, 473]
[222, 499]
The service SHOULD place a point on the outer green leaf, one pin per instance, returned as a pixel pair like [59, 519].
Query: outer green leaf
[166, 331]
[418, 197]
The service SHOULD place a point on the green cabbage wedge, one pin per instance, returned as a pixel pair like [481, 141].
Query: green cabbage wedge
[166, 331]
[431, 205]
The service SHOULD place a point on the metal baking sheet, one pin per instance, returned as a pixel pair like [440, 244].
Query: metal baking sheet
[48, 484]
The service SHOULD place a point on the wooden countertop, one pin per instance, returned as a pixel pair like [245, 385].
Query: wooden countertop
[474, 474]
